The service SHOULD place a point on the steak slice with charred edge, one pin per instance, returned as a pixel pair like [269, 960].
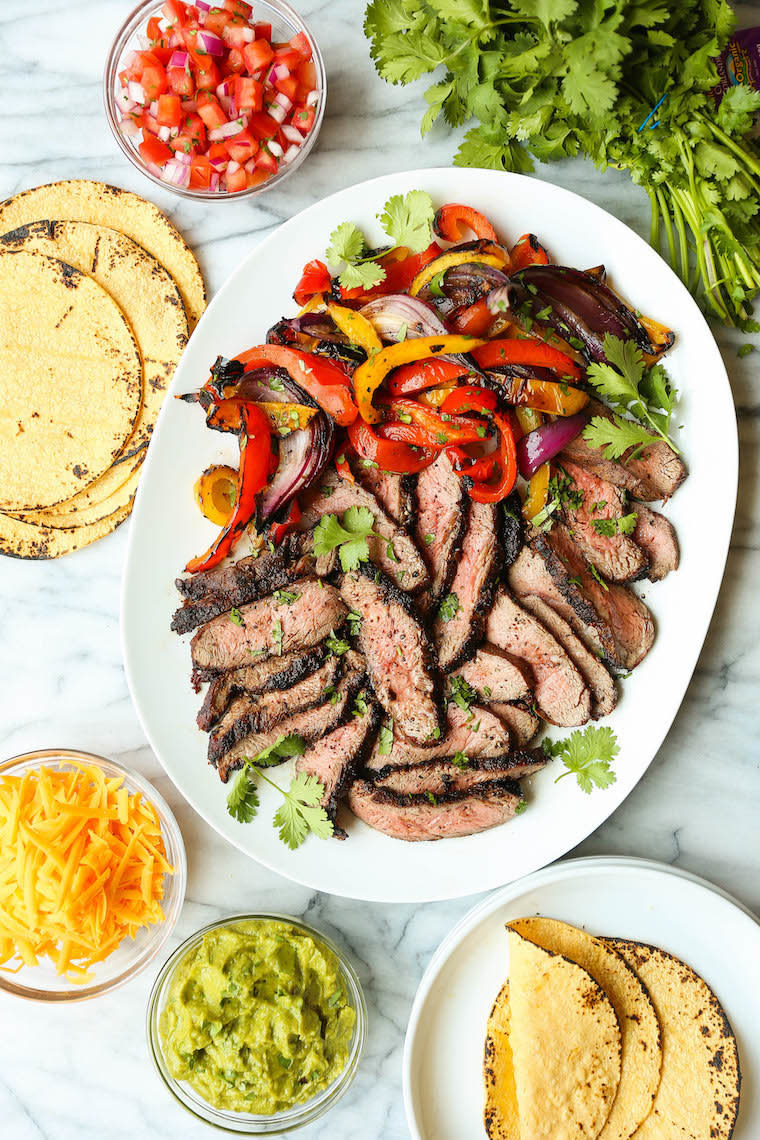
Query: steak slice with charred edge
[439, 776]
[441, 519]
[494, 675]
[589, 500]
[394, 493]
[417, 818]
[654, 474]
[657, 538]
[400, 661]
[481, 734]
[473, 586]
[310, 725]
[561, 693]
[267, 628]
[629, 619]
[250, 577]
[248, 714]
[521, 722]
[511, 529]
[274, 673]
[335, 759]
[539, 572]
[598, 678]
[393, 549]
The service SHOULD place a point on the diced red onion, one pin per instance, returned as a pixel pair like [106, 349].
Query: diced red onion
[276, 112]
[176, 174]
[312, 98]
[226, 131]
[213, 181]
[167, 17]
[224, 88]
[129, 59]
[226, 102]
[546, 441]
[292, 134]
[144, 42]
[210, 42]
[276, 71]
[248, 35]
[290, 153]
[154, 108]
[499, 300]
[219, 164]
[179, 59]
[250, 165]
[173, 132]
[136, 93]
[232, 166]
[123, 101]
[164, 133]
[129, 127]
[201, 4]
[180, 156]
[274, 148]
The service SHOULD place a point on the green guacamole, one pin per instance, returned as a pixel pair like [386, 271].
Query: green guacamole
[257, 1017]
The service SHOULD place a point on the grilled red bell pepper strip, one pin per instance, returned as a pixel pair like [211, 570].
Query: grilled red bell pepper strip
[255, 455]
[450, 219]
[391, 454]
[343, 468]
[441, 428]
[314, 279]
[372, 372]
[527, 250]
[399, 274]
[429, 373]
[482, 469]
[325, 381]
[501, 483]
[475, 319]
[470, 398]
[499, 353]
[288, 524]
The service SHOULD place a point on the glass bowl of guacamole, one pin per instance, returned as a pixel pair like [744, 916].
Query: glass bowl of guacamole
[256, 1024]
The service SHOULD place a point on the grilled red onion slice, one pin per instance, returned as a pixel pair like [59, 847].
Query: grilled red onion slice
[397, 313]
[547, 441]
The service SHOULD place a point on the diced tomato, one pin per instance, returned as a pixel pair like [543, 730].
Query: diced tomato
[154, 30]
[234, 64]
[242, 147]
[210, 110]
[263, 125]
[234, 35]
[200, 173]
[249, 94]
[239, 8]
[287, 86]
[265, 160]
[257, 55]
[302, 45]
[180, 82]
[184, 143]
[237, 180]
[218, 155]
[194, 128]
[207, 77]
[263, 31]
[256, 177]
[169, 110]
[303, 118]
[216, 21]
[175, 12]
[154, 151]
[307, 74]
[288, 57]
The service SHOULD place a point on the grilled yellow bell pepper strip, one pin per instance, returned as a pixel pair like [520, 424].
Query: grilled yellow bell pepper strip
[543, 395]
[359, 331]
[369, 376]
[528, 419]
[447, 260]
[538, 491]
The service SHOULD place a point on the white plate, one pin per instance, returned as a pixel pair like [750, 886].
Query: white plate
[167, 529]
[628, 898]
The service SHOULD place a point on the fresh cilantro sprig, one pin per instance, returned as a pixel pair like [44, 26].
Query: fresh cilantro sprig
[449, 607]
[406, 219]
[633, 390]
[385, 739]
[587, 755]
[620, 524]
[300, 812]
[349, 535]
[461, 692]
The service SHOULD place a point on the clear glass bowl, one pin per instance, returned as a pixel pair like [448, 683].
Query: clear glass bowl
[248, 1124]
[285, 22]
[42, 983]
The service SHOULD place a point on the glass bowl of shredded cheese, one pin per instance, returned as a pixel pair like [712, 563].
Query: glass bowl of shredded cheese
[92, 875]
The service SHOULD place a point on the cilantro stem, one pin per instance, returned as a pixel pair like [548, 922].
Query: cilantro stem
[260, 772]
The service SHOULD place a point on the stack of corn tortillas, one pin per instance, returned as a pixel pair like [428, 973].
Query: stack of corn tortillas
[605, 1039]
[98, 294]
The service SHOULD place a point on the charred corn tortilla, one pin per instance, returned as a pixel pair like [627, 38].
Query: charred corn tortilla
[100, 204]
[501, 1119]
[698, 1095]
[70, 380]
[639, 1026]
[25, 540]
[565, 1042]
[150, 300]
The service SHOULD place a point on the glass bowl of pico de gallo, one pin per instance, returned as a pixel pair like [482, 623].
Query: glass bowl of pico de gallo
[217, 100]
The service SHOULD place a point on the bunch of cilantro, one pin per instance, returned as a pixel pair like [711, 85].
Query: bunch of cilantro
[555, 78]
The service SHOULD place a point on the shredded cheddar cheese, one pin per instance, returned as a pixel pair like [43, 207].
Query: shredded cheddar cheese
[81, 867]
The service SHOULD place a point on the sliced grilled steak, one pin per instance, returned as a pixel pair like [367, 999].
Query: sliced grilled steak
[400, 661]
[439, 776]
[481, 735]
[654, 474]
[657, 538]
[247, 714]
[597, 677]
[521, 722]
[440, 523]
[588, 502]
[454, 814]
[511, 528]
[311, 725]
[631, 622]
[250, 577]
[473, 587]
[274, 673]
[335, 759]
[496, 676]
[267, 628]
[539, 572]
[393, 550]
[561, 693]
[394, 493]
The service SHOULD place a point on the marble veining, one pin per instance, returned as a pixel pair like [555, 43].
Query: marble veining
[82, 1072]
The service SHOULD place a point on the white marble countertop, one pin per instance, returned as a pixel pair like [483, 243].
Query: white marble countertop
[82, 1072]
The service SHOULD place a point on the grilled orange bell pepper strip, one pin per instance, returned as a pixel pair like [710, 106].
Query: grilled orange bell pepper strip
[369, 376]
[543, 395]
[325, 381]
[443, 429]
[450, 219]
[528, 250]
[359, 331]
[455, 257]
